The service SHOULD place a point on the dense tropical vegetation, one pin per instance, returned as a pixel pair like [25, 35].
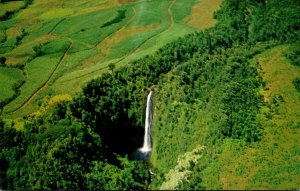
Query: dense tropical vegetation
[218, 117]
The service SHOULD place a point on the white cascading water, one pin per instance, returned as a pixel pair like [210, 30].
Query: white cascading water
[147, 139]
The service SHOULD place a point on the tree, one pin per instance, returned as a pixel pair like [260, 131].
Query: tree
[37, 50]
[2, 61]
[111, 66]
[104, 176]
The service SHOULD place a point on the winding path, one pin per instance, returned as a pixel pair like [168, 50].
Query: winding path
[155, 35]
[120, 29]
[171, 14]
[62, 58]
[55, 26]
[49, 78]
[141, 44]
[171, 24]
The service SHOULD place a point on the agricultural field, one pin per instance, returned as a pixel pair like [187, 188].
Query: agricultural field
[55, 47]
[10, 6]
[150, 95]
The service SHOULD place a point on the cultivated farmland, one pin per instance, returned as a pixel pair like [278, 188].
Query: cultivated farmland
[54, 47]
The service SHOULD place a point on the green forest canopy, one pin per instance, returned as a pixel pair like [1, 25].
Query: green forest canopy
[208, 94]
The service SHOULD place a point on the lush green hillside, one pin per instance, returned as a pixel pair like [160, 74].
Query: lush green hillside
[73, 42]
[226, 103]
[238, 99]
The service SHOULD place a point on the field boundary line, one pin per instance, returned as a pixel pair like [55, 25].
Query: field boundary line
[47, 81]
[54, 27]
[169, 27]
[119, 29]
[140, 45]
[136, 49]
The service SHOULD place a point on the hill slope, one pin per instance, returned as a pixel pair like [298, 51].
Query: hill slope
[73, 42]
[226, 114]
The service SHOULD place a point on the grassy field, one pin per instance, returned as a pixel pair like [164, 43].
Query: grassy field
[99, 36]
[41, 65]
[9, 77]
[201, 17]
[10, 6]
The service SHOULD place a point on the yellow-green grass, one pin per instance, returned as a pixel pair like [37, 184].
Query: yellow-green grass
[9, 78]
[26, 49]
[33, 106]
[149, 19]
[130, 44]
[56, 13]
[10, 6]
[152, 40]
[45, 10]
[23, 52]
[150, 12]
[72, 61]
[78, 78]
[93, 20]
[272, 163]
[37, 72]
[65, 77]
[126, 47]
[182, 9]
[148, 42]
[202, 14]
[8, 23]
[146, 28]
[152, 44]
[74, 81]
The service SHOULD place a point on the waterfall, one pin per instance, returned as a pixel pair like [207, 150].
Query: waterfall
[147, 139]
